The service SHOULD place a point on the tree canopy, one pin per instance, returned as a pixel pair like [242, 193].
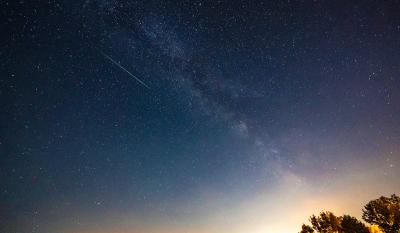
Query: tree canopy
[327, 222]
[383, 214]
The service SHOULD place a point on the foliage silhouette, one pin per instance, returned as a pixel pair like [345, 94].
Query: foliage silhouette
[327, 222]
[383, 214]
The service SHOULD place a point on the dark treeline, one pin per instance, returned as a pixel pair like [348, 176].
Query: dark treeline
[382, 215]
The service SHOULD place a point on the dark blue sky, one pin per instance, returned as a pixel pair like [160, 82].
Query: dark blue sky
[247, 102]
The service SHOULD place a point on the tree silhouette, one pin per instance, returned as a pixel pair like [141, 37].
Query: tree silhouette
[327, 222]
[384, 212]
[350, 224]
[306, 229]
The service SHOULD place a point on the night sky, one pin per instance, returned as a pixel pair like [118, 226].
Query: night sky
[195, 116]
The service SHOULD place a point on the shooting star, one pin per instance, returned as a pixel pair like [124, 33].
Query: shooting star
[123, 68]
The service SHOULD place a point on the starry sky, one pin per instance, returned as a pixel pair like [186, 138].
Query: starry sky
[195, 116]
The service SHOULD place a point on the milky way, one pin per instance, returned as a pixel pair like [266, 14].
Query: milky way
[195, 116]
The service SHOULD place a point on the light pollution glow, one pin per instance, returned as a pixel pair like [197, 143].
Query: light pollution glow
[281, 210]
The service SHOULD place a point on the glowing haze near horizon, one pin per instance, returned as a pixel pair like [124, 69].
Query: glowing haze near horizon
[258, 114]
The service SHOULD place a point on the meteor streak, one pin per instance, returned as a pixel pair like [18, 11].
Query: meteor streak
[123, 68]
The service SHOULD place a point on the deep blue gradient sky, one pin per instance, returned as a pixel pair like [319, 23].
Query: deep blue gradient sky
[250, 104]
